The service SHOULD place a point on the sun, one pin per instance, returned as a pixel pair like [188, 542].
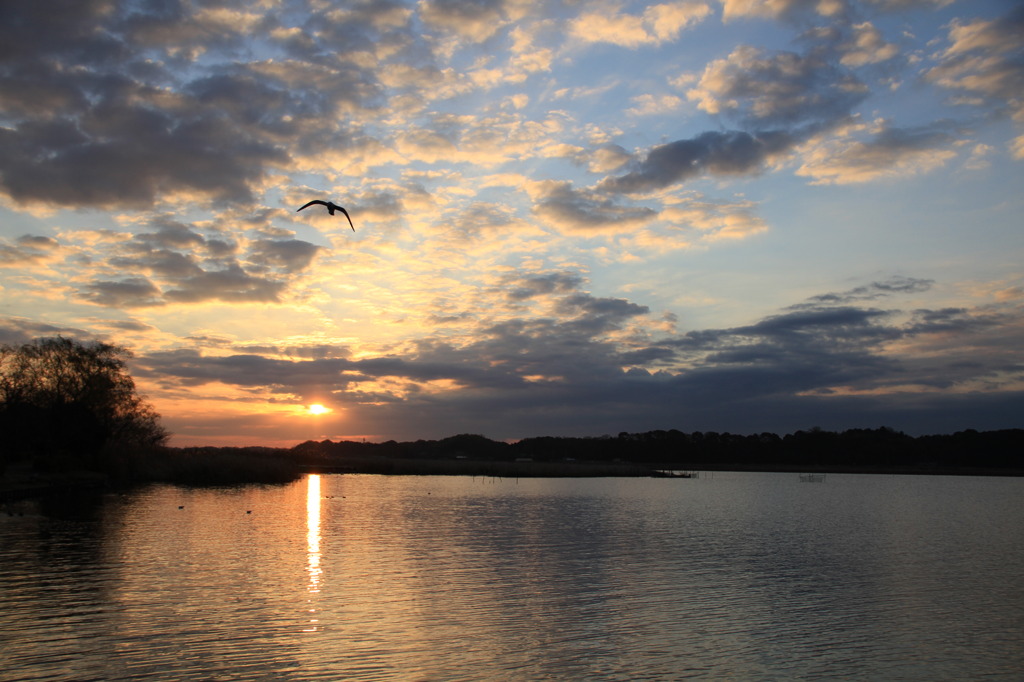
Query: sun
[317, 408]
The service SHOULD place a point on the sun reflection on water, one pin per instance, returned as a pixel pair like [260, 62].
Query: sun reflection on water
[313, 569]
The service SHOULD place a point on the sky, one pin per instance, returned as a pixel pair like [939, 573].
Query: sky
[571, 218]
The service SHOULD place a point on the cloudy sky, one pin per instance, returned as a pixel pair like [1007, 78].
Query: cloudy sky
[572, 218]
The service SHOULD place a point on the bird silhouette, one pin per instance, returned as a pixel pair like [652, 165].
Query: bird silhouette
[331, 208]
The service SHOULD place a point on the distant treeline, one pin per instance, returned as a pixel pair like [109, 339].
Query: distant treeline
[652, 453]
[854, 449]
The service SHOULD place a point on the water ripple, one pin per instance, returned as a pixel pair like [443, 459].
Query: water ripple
[743, 576]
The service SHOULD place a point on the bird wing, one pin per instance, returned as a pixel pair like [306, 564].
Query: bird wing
[315, 201]
[347, 216]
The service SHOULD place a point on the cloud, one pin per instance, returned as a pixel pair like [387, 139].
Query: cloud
[870, 292]
[607, 158]
[475, 20]
[978, 159]
[985, 59]
[28, 250]
[715, 220]
[103, 108]
[29, 26]
[801, 340]
[785, 100]
[649, 105]
[531, 286]
[727, 153]
[835, 350]
[999, 36]
[18, 330]
[181, 263]
[773, 9]
[776, 9]
[158, 262]
[784, 88]
[380, 204]
[897, 5]
[567, 208]
[666, 21]
[889, 152]
[866, 47]
[479, 218]
[287, 255]
[657, 24]
[1017, 147]
[121, 153]
[311, 377]
[129, 292]
[190, 368]
[233, 284]
[171, 234]
[123, 325]
[483, 140]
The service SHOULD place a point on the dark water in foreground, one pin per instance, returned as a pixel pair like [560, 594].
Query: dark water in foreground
[735, 576]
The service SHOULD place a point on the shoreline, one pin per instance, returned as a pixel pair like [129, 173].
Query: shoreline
[23, 484]
[591, 469]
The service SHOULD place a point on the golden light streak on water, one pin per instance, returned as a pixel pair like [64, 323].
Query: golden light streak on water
[313, 569]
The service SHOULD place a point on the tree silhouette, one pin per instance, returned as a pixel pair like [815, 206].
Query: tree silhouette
[64, 403]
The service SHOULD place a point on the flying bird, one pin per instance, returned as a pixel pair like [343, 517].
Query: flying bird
[331, 208]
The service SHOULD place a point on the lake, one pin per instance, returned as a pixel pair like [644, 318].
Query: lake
[747, 576]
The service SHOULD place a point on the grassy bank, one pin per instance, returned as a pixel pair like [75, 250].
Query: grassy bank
[195, 467]
[218, 467]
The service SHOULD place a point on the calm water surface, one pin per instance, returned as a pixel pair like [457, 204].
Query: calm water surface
[730, 576]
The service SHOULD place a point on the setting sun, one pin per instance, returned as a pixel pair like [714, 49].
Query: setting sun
[317, 408]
